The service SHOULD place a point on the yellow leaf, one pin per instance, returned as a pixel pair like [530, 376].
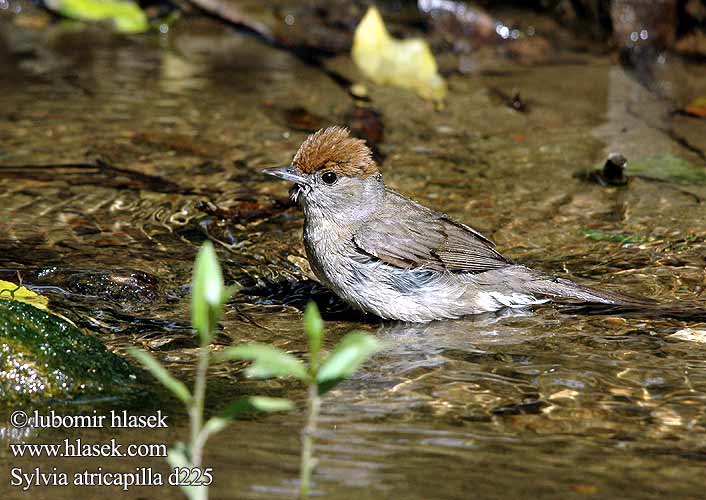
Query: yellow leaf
[402, 63]
[11, 291]
[697, 107]
[127, 16]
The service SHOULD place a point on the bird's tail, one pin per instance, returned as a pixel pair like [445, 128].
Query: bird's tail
[528, 281]
[559, 288]
[521, 286]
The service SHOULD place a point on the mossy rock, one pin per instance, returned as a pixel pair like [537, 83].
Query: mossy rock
[43, 357]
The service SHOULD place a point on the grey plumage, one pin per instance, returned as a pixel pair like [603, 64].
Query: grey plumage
[388, 255]
[409, 263]
[408, 235]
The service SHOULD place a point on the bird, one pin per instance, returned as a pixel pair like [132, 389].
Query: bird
[388, 255]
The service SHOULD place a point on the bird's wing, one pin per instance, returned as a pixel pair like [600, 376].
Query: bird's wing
[412, 236]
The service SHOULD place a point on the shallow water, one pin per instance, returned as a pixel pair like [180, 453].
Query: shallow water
[550, 402]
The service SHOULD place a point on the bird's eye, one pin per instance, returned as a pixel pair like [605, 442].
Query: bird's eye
[329, 177]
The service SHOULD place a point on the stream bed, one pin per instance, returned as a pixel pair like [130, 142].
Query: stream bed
[120, 155]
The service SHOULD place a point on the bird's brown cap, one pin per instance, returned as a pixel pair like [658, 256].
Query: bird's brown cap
[333, 149]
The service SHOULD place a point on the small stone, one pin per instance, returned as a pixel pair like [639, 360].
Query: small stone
[614, 169]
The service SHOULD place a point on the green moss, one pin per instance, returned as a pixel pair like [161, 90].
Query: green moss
[668, 168]
[663, 167]
[44, 357]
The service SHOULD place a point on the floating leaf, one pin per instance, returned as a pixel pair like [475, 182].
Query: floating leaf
[207, 292]
[668, 168]
[11, 291]
[690, 334]
[401, 63]
[267, 361]
[127, 16]
[314, 328]
[176, 386]
[346, 358]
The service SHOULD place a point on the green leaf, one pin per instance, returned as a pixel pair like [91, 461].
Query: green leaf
[214, 425]
[267, 361]
[346, 358]
[257, 403]
[178, 458]
[177, 387]
[179, 455]
[314, 328]
[230, 291]
[245, 405]
[269, 405]
[598, 235]
[127, 16]
[207, 292]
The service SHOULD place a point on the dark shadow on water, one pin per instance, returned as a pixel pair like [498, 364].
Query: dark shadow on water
[683, 311]
[299, 293]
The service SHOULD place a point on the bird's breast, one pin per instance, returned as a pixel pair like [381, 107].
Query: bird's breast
[327, 247]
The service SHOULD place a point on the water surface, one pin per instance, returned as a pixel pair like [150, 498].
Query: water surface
[544, 403]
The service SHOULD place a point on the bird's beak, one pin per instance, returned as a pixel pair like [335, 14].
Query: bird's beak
[288, 173]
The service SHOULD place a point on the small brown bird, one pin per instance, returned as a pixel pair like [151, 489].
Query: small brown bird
[388, 255]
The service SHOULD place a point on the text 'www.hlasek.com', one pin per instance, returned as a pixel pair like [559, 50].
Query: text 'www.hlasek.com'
[51, 454]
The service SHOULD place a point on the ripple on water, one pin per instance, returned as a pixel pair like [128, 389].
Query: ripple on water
[536, 404]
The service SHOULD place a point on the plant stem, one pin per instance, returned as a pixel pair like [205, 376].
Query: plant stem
[196, 409]
[308, 462]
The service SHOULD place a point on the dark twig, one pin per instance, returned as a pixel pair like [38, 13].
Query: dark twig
[98, 174]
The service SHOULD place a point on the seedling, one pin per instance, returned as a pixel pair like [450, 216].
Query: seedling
[208, 294]
[320, 374]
